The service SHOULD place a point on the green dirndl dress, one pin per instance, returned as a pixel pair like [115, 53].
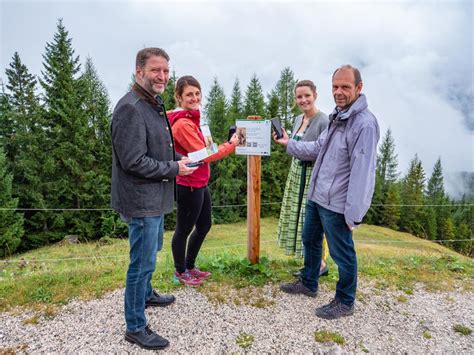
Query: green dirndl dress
[292, 213]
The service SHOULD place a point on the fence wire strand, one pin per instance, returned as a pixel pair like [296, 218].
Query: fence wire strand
[222, 206]
[6, 261]
[26, 261]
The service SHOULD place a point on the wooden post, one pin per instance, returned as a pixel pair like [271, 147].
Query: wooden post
[254, 168]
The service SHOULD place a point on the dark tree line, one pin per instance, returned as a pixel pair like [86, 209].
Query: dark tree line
[419, 205]
[55, 153]
[56, 142]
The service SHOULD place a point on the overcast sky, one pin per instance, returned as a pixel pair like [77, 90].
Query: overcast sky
[416, 58]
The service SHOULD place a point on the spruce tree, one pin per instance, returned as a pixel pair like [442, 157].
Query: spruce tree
[23, 104]
[235, 110]
[64, 122]
[96, 105]
[435, 187]
[464, 243]
[58, 78]
[11, 222]
[374, 214]
[69, 177]
[387, 165]
[284, 90]
[28, 146]
[254, 103]
[235, 107]
[448, 233]
[382, 211]
[230, 175]
[227, 178]
[387, 161]
[22, 86]
[390, 212]
[275, 168]
[273, 103]
[438, 200]
[429, 224]
[215, 109]
[464, 220]
[6, 128]
[168, 94]
[412, 214]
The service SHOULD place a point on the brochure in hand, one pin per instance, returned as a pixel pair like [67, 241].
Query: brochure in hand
[210, 148]
[203, 153]
[206, 132]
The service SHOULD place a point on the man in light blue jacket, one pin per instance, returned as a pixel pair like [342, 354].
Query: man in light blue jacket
[340, 192]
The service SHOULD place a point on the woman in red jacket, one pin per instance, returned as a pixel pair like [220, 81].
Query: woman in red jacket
[193, 198]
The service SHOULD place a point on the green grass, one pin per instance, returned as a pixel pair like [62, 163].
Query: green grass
[54, 275]
[324, 336]
[462, 329]
[363, 348]
[402, 298]
[245, 340]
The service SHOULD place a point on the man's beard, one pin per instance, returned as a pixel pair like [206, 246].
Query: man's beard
[148, 85]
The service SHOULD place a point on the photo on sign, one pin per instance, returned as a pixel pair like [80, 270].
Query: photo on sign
[242, 135]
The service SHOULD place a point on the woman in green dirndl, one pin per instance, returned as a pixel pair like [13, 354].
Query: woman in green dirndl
[307, 127]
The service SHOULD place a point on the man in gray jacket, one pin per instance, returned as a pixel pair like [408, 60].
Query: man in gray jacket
[144, 167]
[340, 193]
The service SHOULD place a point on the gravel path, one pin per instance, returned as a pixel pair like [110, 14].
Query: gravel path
[384, 322]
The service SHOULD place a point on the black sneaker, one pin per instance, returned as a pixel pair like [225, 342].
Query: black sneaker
[157, 300]
[297, 287]
[147, 339]
[330, 304]
[334, 310]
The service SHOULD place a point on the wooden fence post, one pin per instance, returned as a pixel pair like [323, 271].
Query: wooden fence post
[254, 168]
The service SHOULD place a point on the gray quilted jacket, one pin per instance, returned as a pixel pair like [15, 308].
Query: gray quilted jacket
[143, 157]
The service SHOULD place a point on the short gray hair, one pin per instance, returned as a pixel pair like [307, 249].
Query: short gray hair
[357, 77]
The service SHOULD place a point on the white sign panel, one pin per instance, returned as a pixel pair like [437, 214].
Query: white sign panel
[254, 137]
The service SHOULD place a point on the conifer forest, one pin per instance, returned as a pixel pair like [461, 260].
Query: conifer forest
[55, 159]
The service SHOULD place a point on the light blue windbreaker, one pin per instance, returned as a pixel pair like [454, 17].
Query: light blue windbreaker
[345, 156]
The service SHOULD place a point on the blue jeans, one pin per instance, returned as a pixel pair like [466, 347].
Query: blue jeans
[319, 221]
[145, 235]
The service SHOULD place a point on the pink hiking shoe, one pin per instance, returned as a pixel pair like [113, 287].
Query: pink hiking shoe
[186, 279]
[198, 274]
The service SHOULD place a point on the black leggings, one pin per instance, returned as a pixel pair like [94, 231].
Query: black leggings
[194, 209]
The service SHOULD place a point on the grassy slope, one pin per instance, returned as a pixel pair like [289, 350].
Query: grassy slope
[390, 259]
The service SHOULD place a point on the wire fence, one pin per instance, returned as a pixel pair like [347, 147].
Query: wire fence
[123, 256]
[223, 206]
[5, 261]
